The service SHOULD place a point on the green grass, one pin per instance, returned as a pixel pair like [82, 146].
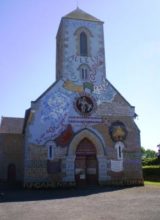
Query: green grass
[152, 183]
[151, 166]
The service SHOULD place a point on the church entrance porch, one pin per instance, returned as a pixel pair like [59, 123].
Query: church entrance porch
[86, 172]
[86, 162]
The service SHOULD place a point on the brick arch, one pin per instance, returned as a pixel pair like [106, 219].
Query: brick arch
[86, 147]
[91, 136]
[83, 29]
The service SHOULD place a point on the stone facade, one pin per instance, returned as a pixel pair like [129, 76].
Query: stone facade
[81, 130]
[11, 157]
[82, 104]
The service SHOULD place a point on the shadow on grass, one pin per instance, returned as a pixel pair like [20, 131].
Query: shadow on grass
[22, 195]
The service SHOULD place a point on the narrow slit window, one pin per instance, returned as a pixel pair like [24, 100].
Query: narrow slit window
[83, 44]
[84, 71]
[83, 74]
[120, 152]
[50, 152]
[86, 74]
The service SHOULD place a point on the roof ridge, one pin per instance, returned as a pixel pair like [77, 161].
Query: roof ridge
[79, 14]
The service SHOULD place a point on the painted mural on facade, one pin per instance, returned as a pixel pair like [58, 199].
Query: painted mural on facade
[82, 104]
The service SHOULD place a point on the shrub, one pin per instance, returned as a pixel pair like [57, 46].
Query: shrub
[150, 161]
[151, 173]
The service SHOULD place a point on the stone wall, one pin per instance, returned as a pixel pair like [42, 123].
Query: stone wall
[11, 152]
[129, 167]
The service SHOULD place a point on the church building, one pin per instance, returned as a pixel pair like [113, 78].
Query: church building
[81, 130]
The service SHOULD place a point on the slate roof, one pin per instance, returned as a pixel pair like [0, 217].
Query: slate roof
[10, 125]
[81, 15]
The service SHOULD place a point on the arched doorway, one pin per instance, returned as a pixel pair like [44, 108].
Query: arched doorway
[11, 173]
[100, 156]
[86, 167]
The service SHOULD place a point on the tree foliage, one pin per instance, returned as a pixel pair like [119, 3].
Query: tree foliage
[148, 153]
[150, 161]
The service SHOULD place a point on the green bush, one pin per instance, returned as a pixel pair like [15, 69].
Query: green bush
[150, 161]
[151, 173]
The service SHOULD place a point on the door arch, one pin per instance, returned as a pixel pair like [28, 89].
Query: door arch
[100, 155]
[86, 133]
[86, 172]
[11, 173]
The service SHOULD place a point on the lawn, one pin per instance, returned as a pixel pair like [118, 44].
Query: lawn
[152, 183]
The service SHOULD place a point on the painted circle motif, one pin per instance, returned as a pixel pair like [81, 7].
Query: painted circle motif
[84, 105]
[118, 131]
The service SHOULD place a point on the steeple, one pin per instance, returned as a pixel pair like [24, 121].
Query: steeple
[81, 15]
[80, 49]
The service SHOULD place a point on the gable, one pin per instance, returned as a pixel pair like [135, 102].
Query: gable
[11, 125]
[81, 15]
[114, 104]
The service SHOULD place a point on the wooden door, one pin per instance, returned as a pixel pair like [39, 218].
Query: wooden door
[91, 170]
[86, 163]
[11, 173]
[80, 171]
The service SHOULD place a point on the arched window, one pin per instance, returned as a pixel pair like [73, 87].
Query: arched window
[120, 152]
[83, 44]
[83, 37]
[84, 72]
[51, 146]
[50, 152]
[119, 146]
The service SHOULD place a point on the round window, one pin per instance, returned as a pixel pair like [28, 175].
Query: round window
[84, 105]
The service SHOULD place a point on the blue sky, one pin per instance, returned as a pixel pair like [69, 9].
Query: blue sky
[132, 46]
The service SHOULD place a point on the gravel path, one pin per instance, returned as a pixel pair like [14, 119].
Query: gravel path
[138, 203]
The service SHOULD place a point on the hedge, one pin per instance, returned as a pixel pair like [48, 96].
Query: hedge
[150, 161]
[151, 173]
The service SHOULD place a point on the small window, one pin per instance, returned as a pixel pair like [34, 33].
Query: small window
[119, 146]
[83, 37]
[51, 149]
[119, 152]
[83, 75]
[83, 44]
[84, 72]
[50, 152]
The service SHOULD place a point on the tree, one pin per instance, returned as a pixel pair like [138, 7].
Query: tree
[143, 151]
[148, 153]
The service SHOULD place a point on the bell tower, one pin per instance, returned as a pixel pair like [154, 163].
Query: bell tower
[80, 49]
